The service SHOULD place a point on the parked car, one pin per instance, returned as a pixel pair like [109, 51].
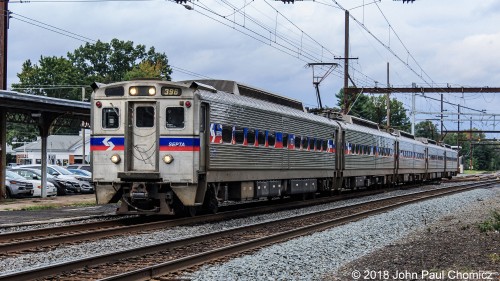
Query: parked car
[79, 172]
[62, 186]
[85, 167]
[81, 184]
[17, 186]
[37, 189]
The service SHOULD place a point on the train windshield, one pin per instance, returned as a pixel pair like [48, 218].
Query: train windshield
[175, 117]
[145, 117]
[110, 118]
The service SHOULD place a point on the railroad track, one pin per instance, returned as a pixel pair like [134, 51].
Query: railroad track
[161, 259]
[13, 243]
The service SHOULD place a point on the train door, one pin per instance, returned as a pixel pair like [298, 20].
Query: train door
[142, 134]
[203, 137]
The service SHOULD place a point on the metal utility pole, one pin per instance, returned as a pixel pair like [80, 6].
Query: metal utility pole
[346, 64]
[388, 100]
[4, 12]
[441, 132]
[470, 146]
[83, 131]
[458, 129]
[413, 112]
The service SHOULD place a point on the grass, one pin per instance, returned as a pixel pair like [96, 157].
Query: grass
[474, 172]
[495, 258]
[39, 207]
[492, 224]
[54, 206]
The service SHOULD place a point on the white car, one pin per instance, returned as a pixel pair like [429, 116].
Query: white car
[37, 188]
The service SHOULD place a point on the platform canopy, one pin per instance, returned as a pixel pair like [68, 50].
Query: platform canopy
[41, 111]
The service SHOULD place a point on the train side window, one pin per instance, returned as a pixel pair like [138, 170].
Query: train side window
[318, 145]
[271, 139]
[227, 134]
[304, 143]
[324, 145]
[285, 140]
[262, 137]
[298, 140]
[175, 117]
[145, 116]
[251, 137]
[239, 135]
[110, 119]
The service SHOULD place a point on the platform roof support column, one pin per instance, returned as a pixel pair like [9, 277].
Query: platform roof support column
[45, 121]
[3, 151]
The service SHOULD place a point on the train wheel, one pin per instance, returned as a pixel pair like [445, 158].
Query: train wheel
[190, 211]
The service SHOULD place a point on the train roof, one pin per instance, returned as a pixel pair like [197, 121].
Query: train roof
[243, 101]
[241, 89]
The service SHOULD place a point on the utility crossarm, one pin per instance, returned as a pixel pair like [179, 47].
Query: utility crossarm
[457, 120]
[494, 140]
[469, 131]
[461, 113]
[378, 90]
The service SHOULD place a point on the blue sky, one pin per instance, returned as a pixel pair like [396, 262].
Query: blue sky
[453, 42]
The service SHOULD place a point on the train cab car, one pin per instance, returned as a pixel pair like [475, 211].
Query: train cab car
[145, 144]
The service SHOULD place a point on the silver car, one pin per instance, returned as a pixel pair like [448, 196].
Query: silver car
[81, 185]
[17, 186]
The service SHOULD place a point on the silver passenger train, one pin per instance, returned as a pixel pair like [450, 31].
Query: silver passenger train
[167, 147]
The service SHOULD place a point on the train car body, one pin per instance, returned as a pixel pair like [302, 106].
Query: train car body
[163, 147]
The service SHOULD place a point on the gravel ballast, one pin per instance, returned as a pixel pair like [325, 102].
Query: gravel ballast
[314, 257]
[288, 260]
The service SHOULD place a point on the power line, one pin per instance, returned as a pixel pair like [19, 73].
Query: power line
[51, 28]
[84, 39]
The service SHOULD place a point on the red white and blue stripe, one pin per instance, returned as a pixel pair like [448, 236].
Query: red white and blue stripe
[179, 144]
[107, 143]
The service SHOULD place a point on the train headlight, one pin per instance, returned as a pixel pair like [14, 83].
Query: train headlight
[168, 159]
[133, 91]
[152, 91]
[116, 158]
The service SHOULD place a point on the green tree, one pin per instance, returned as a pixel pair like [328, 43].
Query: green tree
[49, 72]
[109, 62]
[145, 69]
[426, 129]
[98, 62]
[374, 108]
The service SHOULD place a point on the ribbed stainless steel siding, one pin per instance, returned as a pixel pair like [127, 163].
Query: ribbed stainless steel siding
[242, 111]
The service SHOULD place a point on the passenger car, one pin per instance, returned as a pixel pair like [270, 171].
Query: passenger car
[17, 186]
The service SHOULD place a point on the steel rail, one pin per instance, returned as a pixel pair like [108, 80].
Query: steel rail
[176, 265]
[182, 263]
[91, 230]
